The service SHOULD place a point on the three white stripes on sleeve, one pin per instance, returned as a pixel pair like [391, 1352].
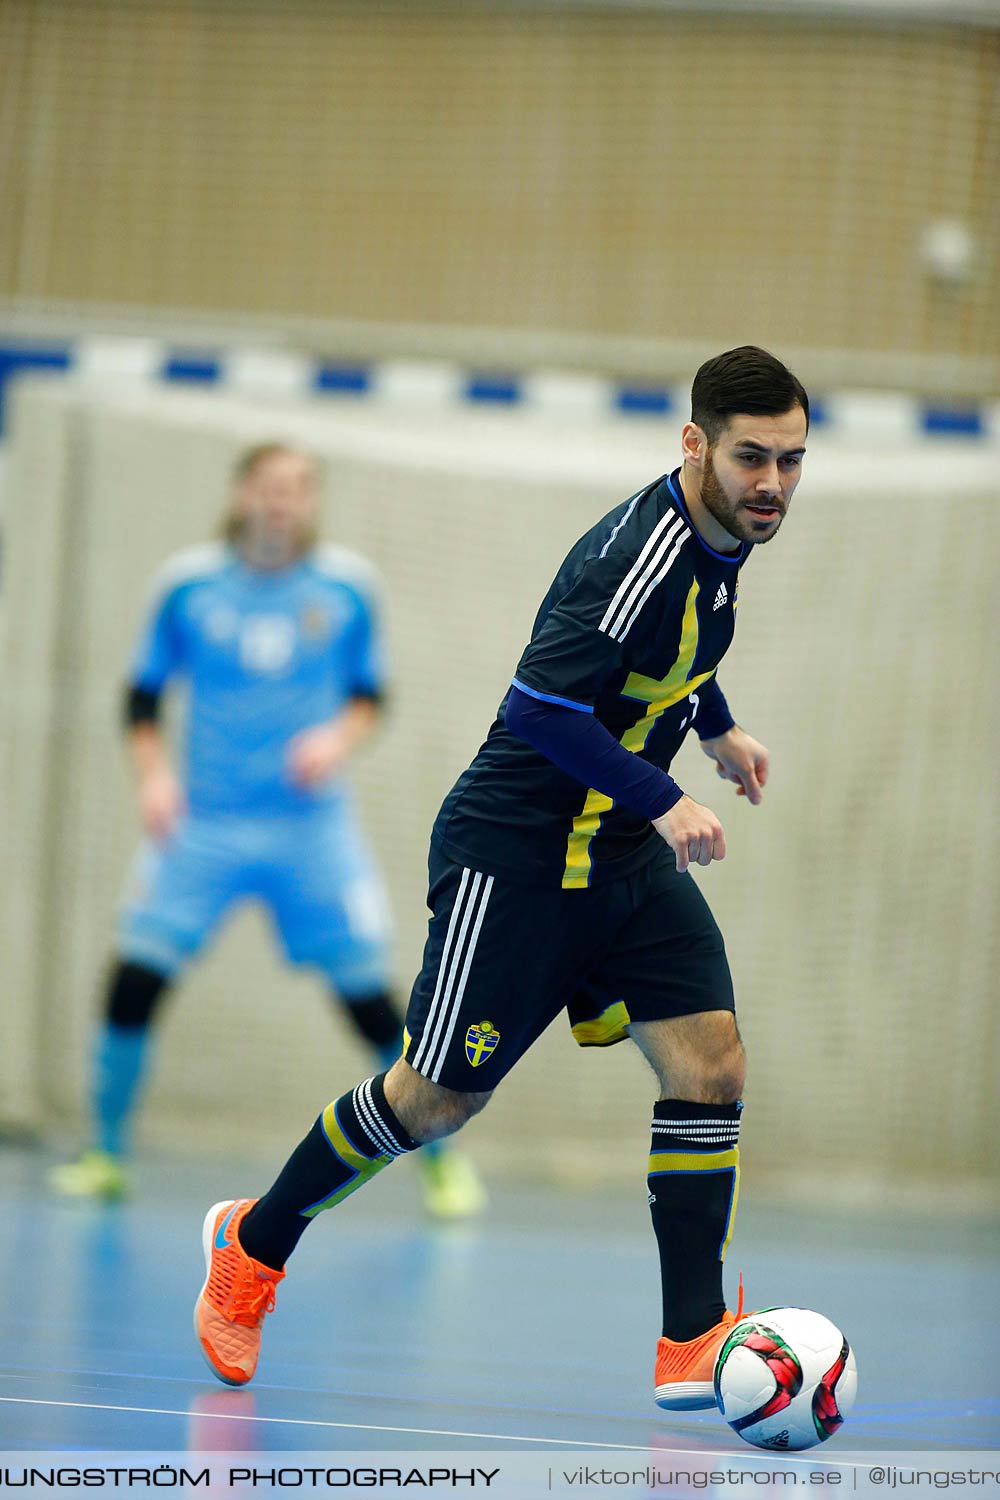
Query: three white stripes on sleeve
[649, 569]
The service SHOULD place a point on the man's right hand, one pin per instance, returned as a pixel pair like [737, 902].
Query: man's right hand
[161, 803]
[693, 832]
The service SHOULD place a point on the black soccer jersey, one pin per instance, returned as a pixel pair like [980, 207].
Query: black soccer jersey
[638, 617]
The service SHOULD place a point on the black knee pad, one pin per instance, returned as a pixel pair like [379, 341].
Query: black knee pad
[376, 1019]
[133, 992]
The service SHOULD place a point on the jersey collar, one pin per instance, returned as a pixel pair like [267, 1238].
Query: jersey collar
[269, 578]
[674, 483]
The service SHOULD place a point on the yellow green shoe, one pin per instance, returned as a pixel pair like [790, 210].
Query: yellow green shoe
[95, 1174]
[452, 1186]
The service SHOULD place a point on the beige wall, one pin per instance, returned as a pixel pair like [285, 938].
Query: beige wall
[671, 176]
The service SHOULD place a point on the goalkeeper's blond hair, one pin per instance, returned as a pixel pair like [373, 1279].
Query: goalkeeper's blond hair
[232, 524]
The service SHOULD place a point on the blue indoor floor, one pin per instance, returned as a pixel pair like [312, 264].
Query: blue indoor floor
[536, 1325]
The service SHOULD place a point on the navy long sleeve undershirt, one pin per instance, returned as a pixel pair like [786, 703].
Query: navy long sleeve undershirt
[580, 745]
[713, 717]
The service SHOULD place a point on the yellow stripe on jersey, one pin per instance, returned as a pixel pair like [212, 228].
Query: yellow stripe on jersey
[586, 823]
[660, 694]
[601, 1031]
[363, 1168]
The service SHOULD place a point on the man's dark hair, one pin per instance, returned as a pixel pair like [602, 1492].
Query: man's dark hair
[745, 380]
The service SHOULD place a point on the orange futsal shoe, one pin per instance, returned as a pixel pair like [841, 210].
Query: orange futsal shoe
[237, 1296]
[685, 1372]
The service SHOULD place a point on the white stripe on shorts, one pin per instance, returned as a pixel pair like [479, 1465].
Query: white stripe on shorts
[456, 1007]
[424, 1044]
[470, 905]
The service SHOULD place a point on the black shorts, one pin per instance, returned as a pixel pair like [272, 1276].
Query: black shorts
[502, 960]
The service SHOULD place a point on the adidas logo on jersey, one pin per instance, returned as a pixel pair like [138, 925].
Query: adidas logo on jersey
[720, 598]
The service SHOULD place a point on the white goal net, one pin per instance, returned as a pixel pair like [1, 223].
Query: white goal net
[859, 903]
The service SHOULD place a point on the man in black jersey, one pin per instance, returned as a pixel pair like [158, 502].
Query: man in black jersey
[558, 881]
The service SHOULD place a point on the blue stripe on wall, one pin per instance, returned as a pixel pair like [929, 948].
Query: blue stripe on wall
[194, 369]
[346, 377]
[349, 380]
[500, 388]
[16, 359]
[955, 421]
[646, 401]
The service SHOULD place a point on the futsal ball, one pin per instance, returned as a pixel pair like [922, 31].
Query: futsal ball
[785, 1378]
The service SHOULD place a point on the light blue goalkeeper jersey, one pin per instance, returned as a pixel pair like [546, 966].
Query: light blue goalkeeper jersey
[264, 656]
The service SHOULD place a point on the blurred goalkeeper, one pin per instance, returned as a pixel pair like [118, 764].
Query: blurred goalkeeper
[278, 641]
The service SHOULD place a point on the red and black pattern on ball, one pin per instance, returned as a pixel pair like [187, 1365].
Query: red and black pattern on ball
[780, 1360]
[826, 1413]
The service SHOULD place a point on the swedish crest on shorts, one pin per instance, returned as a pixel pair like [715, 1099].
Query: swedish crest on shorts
[480, 1041]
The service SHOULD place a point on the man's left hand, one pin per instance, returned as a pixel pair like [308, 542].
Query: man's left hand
[317, 755]
[740, 758]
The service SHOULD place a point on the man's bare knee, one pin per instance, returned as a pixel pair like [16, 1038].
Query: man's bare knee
[722, 1081]
[699, 1058]
[425, 1109]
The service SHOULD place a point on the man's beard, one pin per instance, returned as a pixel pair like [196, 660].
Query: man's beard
[269, 547]
[740, 524]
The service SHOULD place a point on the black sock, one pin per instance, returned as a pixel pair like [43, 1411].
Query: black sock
[132, 994]
[352, 1139]
[694, 1175]
[378, 1020]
